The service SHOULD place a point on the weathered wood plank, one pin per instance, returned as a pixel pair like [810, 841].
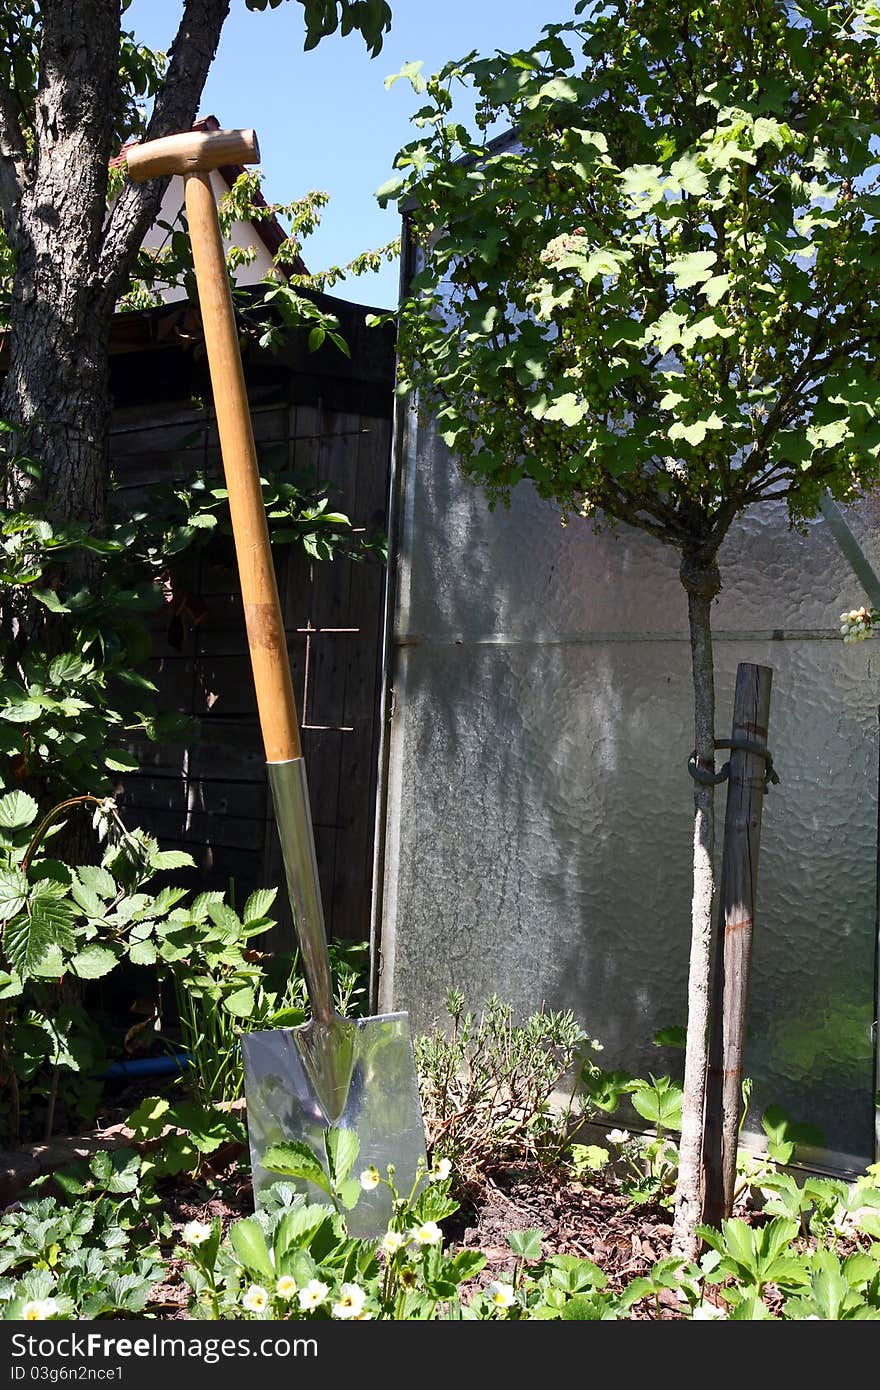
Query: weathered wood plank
[738, 893]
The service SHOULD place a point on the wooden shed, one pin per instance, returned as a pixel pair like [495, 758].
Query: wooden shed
[329, 416]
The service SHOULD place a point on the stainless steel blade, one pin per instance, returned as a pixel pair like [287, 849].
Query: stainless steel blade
[381, 1105]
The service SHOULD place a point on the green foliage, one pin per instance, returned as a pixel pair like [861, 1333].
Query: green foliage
[72, 698]
[486, 1086]
[756, 1257]
[330, 1172]
[92, 1259]
[60, 922]
[370, 18]
[658, 1100]
[101, 1251]
[285, 299]
[784, 1136]
[660, 301]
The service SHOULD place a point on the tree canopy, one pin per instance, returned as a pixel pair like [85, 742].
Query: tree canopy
[659, 298]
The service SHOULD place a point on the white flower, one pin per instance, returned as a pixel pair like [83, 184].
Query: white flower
[39, 1309]
[314, 1293]
[370, 1178]
[501, 1295]
[392, 1241]
[256, 1299]
[195, 1233]
[286, 1286]
[618, 1136]
[440, 1170]
[351, 1302]
[707, 1312]
[596, 1045]
[428, 1233]
[856, 625]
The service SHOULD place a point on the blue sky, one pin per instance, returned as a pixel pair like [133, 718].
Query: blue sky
[324, 118]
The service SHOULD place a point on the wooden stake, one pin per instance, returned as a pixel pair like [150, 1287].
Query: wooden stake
[739, 878]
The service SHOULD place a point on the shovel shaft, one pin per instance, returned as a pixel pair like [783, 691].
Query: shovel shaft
[259, 590]
[290, 794]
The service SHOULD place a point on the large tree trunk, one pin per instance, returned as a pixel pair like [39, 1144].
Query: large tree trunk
[55, 392]
[701, 582]
[71, 259]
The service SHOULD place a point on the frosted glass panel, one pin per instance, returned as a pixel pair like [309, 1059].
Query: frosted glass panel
[539, 807]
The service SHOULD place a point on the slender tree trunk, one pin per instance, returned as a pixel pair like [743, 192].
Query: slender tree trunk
[702, 582]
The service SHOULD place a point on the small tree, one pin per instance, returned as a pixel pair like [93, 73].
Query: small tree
[660, 303]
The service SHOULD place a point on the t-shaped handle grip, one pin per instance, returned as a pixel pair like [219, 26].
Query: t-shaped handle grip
[191, 152]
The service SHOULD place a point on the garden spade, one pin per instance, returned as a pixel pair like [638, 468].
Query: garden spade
[331, 1073]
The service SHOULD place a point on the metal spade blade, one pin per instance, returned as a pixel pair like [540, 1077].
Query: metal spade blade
[355, 1074]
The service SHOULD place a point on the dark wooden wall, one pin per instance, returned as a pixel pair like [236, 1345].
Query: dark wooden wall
[331, 418]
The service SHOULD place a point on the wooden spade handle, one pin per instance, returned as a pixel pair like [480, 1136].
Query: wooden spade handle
[259, 590]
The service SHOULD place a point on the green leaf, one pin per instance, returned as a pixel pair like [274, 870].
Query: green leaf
[171, 859]
[249, 1243]
[670, 1037]
[98, 880]
[297, 1229]
[10, 985]
[716, 287]
[590, 1158]
[869, 1224]
[643, 180]
[568, 408]
[258, 905]
[294, 1159]
[687, 175]
[465, 1265]
[342, 1147]
[410, 72]
[241, 1002]
[117, 760]
[117, 1172]
[693, 434]
[93, 962]
[142, 953]
[46, 923]
[17, 810]
[14, 889]
[659, 1100]
[692, 269]
[526, 1244]
[50, 600]
[66, 668]
[827, 436]
[606, 1089]
[91, 904]
[223, 916]
[388, 190]
[348, 1193]
[587, 1308]
[150, 1118]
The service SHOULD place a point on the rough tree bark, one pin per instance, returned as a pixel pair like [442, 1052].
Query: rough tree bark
[71, 260]
[702, 583]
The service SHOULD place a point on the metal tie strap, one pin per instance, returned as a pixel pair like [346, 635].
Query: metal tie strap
[737, 745]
